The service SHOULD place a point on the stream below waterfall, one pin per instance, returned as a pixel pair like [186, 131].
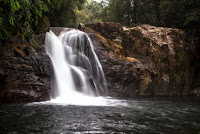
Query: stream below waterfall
[144, 115]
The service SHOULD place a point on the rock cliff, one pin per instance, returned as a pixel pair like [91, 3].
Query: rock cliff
[24, 70]
[146, 60]
[139, 61]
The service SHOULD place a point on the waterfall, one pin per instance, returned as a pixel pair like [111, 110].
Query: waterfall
[78, 74]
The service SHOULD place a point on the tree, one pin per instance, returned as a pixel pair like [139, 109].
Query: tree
[20, 17]
[90, 13]
[192, 18]
[121, 11]
[157, 11]
[168, 13]
[63, 12]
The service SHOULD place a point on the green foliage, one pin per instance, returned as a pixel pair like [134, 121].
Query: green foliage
[90, 13]
[63, 12]
[182, 66]
[167, 13]
[35, 43]
[192, 19]
[183, 61]
[176, 76]
[20, 17]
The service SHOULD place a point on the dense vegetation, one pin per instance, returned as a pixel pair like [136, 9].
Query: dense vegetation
[92, 12]
[22, 17]
[63, 12]
[167, 13]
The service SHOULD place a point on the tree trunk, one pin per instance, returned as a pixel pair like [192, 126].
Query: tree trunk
[157, 11]
[135, 6]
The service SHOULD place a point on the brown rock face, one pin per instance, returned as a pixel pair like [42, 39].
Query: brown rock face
[139, 61]
[144, 60]
[24, 71]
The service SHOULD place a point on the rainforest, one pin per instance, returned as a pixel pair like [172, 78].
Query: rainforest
[99, 66]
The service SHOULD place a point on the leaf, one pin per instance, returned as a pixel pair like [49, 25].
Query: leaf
[49, 1]
[11, 21]
[17, 4]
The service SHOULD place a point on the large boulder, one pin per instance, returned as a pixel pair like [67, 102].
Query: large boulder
[25, 70]
[144, 60]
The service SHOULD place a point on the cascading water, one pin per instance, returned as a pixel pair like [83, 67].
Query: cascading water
[78, 75]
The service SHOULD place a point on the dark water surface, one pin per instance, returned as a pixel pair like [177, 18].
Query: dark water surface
[150, 115]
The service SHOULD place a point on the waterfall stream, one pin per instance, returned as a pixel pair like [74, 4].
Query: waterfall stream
[78, 76]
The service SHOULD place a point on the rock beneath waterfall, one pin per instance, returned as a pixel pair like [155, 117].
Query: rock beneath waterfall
[144, 60]
[24, 71]
[139, 61]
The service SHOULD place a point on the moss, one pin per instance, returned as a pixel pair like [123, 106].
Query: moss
[182, 61]
[116, 62]
[19, 51]
[181, 55]
[35, 43]
[176, 76]
[180, 66]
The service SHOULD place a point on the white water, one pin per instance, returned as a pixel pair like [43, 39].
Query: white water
[78, 76]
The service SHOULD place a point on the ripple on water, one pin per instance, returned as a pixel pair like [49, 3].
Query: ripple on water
[138, 117]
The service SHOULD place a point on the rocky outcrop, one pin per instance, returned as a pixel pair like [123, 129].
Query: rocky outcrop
[24, 71]
[139, 61]
[145, 60]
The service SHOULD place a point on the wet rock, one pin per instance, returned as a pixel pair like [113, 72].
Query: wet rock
[139, 61]
[25, 71]
[144, 60]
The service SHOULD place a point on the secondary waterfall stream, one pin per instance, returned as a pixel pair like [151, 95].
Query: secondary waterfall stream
[78, 76]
